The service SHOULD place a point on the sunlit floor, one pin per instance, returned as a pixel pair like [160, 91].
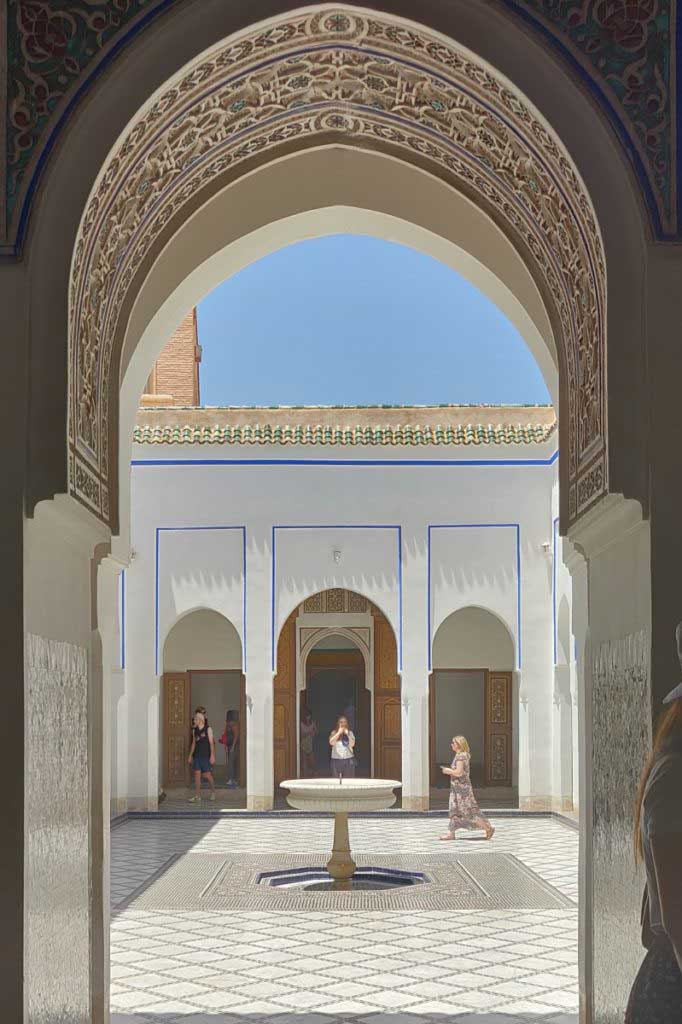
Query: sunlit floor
[228, 961]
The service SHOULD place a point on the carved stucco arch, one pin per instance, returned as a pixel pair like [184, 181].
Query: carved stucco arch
[364, 80]
[353, 633]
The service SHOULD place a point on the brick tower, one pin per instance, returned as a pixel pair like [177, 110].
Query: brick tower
[174, 379]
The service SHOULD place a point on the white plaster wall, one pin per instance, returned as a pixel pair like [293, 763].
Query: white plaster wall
[372, 513]
[473, 638]
[202, 640]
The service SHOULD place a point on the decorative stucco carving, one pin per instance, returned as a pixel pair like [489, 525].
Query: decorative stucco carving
[625, 52]
[362, 81]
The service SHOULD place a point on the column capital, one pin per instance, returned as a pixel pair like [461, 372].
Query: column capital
[608, 523]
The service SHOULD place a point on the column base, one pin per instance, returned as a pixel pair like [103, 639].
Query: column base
[142, 803]
[258, 803]
[415, 803]
[536, 803]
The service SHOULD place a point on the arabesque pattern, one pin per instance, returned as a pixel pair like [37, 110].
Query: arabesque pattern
[625, 51]
[358, 80]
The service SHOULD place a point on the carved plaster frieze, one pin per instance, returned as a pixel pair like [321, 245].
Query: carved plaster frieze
[625, 53]
[358, 80]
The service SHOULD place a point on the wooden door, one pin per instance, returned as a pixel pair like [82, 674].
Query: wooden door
[284, 705]
[387, 706]
[176, 729]
[498, 728]
[242, 733]
[435, 773]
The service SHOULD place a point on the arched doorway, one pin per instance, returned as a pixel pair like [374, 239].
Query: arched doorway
[91, 449]
[334, 681]
[202, 666]
[471, 694]
[337, 654]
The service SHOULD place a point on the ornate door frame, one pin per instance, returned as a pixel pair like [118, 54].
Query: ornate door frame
[311, 628]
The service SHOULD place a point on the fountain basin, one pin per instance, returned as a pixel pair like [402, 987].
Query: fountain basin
[351, 795]
[341, 797]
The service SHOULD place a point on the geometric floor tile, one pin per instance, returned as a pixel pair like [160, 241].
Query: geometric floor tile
[376, 965]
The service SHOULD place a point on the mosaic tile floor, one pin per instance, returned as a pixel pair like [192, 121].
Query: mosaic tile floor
[416, 966]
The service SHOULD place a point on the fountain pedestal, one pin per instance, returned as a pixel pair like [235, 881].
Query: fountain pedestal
[341, 865]
[341, 798]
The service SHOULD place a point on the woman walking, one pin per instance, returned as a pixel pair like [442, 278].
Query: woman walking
[342, 742]
[463, 809]
[202, 756]
[656, 996]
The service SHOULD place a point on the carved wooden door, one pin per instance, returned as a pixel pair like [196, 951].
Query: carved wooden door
[242, 733]
[387, 707]
[435, 774]
[284, 705]
[498, 728]
[176, 729]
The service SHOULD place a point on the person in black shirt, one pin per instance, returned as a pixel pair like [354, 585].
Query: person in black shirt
[202, 756]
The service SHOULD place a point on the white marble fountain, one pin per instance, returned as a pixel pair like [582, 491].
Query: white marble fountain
[341, 797]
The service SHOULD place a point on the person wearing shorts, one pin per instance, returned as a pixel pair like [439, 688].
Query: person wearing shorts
[202, 756]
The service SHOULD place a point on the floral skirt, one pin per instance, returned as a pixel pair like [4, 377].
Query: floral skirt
[463, 810]
[656, 996]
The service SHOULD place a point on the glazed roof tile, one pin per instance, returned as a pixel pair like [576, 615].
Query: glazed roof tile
[347, 426]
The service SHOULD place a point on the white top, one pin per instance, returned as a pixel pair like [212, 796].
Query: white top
[342, 752]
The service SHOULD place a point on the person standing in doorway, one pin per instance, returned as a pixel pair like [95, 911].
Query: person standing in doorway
[342, 742]
[463, 810]
[656, 996]
[308, 734]
[202, 756]
[231, 740]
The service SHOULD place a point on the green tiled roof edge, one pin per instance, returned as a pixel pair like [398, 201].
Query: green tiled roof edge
[263, 434]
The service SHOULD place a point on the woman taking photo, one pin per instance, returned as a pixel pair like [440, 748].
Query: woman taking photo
[342, 742]
[463, 810]
[656, 996]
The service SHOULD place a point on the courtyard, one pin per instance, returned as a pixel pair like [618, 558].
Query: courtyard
[493, 939]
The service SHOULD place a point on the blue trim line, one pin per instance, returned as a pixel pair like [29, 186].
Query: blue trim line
[473, 526]
[555, 524]
[336, 526]
[448, 463]
[197, 529]
[92, 76]
[613, 116]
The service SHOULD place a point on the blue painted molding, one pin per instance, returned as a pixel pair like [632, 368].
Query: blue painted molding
[336, 526]
[474, 526]
[157, 552]
[445, 463]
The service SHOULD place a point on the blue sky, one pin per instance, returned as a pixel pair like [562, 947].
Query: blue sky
[354, 320]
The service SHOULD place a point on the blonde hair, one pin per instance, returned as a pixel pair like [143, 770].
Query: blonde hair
[670, 725]
[463, 744]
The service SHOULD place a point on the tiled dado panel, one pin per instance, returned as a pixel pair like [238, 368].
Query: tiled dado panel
[57, 813]
[621, 739]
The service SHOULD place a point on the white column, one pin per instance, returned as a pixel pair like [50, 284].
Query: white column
[415, 675]
[141, 699]
[259, 676]
[562, 740]
[577, 566]
[536, 682]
